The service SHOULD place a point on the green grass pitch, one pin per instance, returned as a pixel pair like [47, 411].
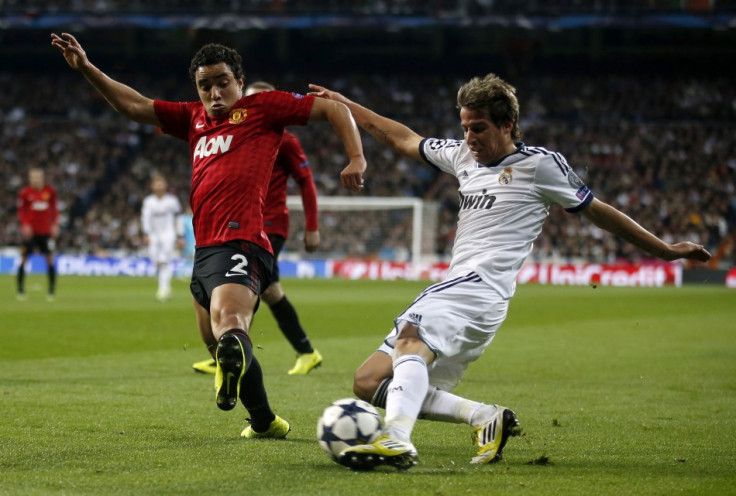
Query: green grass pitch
[619, 391]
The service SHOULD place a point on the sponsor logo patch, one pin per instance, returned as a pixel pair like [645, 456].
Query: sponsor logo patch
[476, 202]
[578, 184]
[216, 145]
[582, 192]
[574, 180]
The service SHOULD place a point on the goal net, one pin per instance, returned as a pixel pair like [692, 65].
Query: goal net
[378, 228]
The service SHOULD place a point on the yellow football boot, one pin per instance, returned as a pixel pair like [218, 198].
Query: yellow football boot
[278, 429]
[306, 362]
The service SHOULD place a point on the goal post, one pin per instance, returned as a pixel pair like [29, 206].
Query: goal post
[398, 228]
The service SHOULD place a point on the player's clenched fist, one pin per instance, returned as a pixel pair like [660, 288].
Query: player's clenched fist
[351, 176]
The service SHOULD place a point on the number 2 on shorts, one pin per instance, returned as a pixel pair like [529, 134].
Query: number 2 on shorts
[239, 269]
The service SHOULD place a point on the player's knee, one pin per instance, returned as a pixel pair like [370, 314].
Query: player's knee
[273, 294]
[226, 318]
[365, 384]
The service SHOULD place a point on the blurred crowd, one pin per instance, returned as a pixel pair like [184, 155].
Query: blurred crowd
[662, 149]
[363, 7]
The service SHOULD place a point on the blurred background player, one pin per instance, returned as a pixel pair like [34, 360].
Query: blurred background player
[291, 161]
[188, 244]
[39, 225]
[161, 230]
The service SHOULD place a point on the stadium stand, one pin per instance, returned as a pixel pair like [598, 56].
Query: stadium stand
[366, 7]
[650, 130]
[661, 149]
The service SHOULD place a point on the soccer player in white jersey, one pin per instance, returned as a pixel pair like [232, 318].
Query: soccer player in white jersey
[161, 230]
[506, 189]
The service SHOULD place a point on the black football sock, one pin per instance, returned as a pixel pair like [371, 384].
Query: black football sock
[285, 315]
[21, 278]
[52, 279]
[379, 397]
[245, 342]
[254, 398]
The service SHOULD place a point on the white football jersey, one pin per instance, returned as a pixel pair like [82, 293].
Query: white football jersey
[159, 216]
[503, 206]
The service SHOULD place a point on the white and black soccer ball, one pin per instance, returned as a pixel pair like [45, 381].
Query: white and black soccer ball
[348, 422]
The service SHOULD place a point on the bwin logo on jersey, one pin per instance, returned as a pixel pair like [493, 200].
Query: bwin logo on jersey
[476, 202]
[218, 144]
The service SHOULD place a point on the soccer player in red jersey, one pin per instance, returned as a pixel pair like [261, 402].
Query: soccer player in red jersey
[291, 161]
[39, 225]
[233, 140]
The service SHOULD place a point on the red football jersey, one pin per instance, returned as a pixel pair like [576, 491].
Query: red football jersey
[232, 160]
[38, 208]
[291, 161]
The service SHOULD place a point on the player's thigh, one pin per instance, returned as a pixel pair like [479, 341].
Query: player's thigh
[168, 247]
[273, 293]
[161, 248]
[232, 307]
[277, 244]
[227, 279]
[44, 244]
[456, 315]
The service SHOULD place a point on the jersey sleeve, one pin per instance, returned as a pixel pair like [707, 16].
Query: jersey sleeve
[178, 226]
[181, 224]
[54, 207]
[146, 217]
[441, 153]
[285, 109]
[175, 117]
[23, 208]
[292, 155]
[558, 183]
[309, 201]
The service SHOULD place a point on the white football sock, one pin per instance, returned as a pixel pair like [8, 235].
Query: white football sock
[443, 406]
[165, 273]
[405, 396]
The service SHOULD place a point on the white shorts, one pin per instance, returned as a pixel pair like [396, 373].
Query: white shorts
[161, 249]
[457, 319]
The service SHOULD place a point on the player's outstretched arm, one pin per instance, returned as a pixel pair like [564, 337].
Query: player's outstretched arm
[387, 131]
[339, 116]
[616, 222]
[122, 98]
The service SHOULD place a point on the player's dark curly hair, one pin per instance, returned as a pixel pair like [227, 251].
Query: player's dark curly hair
[496, 97]
[214, 53]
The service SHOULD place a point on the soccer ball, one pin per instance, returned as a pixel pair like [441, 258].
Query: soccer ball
[348, 422]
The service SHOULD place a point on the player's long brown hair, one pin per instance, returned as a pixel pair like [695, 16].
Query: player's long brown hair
[494, 96]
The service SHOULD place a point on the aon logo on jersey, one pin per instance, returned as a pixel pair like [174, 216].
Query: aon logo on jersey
[206, 147]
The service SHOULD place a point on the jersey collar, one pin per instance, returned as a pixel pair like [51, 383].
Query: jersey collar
[520, 146]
